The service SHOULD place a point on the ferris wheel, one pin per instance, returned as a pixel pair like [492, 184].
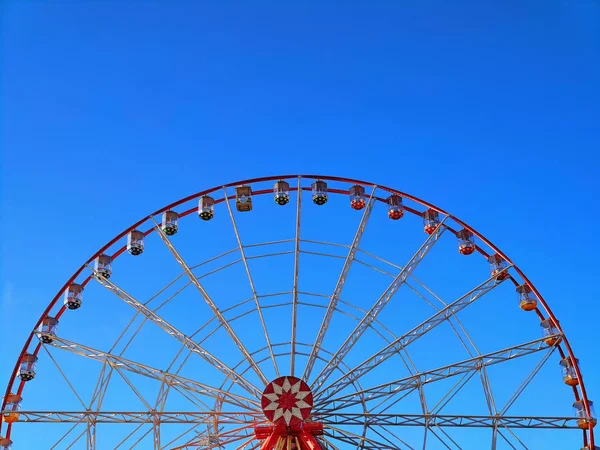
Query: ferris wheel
[298, 312]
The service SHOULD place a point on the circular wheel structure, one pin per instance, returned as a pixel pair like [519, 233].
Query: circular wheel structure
[298, 312]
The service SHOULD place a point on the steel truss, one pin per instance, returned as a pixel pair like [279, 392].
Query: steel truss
[171, 330]
[372, 314]
[403, 341]
[470, 365]
[328, 419]
[337, 292]
[172, 380]
[209, 301]
[440, 420]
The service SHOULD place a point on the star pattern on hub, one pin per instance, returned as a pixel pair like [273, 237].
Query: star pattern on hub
[288, 400]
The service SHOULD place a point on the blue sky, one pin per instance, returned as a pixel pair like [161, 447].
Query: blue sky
[486, 109]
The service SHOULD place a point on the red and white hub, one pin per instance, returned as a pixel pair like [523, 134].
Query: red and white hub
[287, 403]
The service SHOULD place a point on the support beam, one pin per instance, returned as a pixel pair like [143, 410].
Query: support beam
[149, 417]
[462, 421]
[389, 390]
[337, 292]
[174, 381]
[403, 341]
[181, 337]
[295, 287]
[371, 315]
[329, 420]
[209, 301]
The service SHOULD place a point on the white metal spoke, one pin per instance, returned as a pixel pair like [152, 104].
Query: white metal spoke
[218, 439]
[250, 280]
[171, 330]
[474, 364]
[403, 341]
[337, 292]
[487, 388]
[326, 444]
[295, 288]
[91, 433]
[330, 420]
[526, 382]
[513, 435]
[136, 417]
[361, 442]
[64, 376]
[209, 301]
[449, 437]
[140, 439]
[150, 372]
[156, 434]
[126, 438]
[455, 389]
[377, 307]
[427, 427]
[69, 431]
[133, 388]
[180, 436]
[388, 431]
[505, 439]
[83, 433]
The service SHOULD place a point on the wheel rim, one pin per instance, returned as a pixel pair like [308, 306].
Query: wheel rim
[484, 247]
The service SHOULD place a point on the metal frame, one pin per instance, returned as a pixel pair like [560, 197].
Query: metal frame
[337, 292]
[377, 308]
[113, 363]
[328, 419]
[295, 288]
[403, 341]
[392, 388]
[172, 331]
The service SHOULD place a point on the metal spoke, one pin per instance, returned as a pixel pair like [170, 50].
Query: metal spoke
[180, 436]
[377, 307]
[526, 382]
[513, 435]
[401, 342]
[64, 376]
[104, 379]
[133, 388]
[171, 330]
[256, 301]
[337, 292]
[140, 439]
[137, 417]
[83, 433]
[455, 389]
[474, 364]
[218, 439]
[69, 431]
[487, 388]
[209, 301]
[361, 442]
[172, 380]
[295, 288]
[388, 431]
[421, 420]
[91, 433]
[438, 437]
[126, 438]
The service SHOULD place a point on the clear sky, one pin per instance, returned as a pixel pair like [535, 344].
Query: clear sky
[488, 109]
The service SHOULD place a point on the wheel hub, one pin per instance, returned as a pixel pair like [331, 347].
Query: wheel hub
[287, 403]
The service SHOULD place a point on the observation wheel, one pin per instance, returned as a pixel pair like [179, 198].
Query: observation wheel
[298, 313]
